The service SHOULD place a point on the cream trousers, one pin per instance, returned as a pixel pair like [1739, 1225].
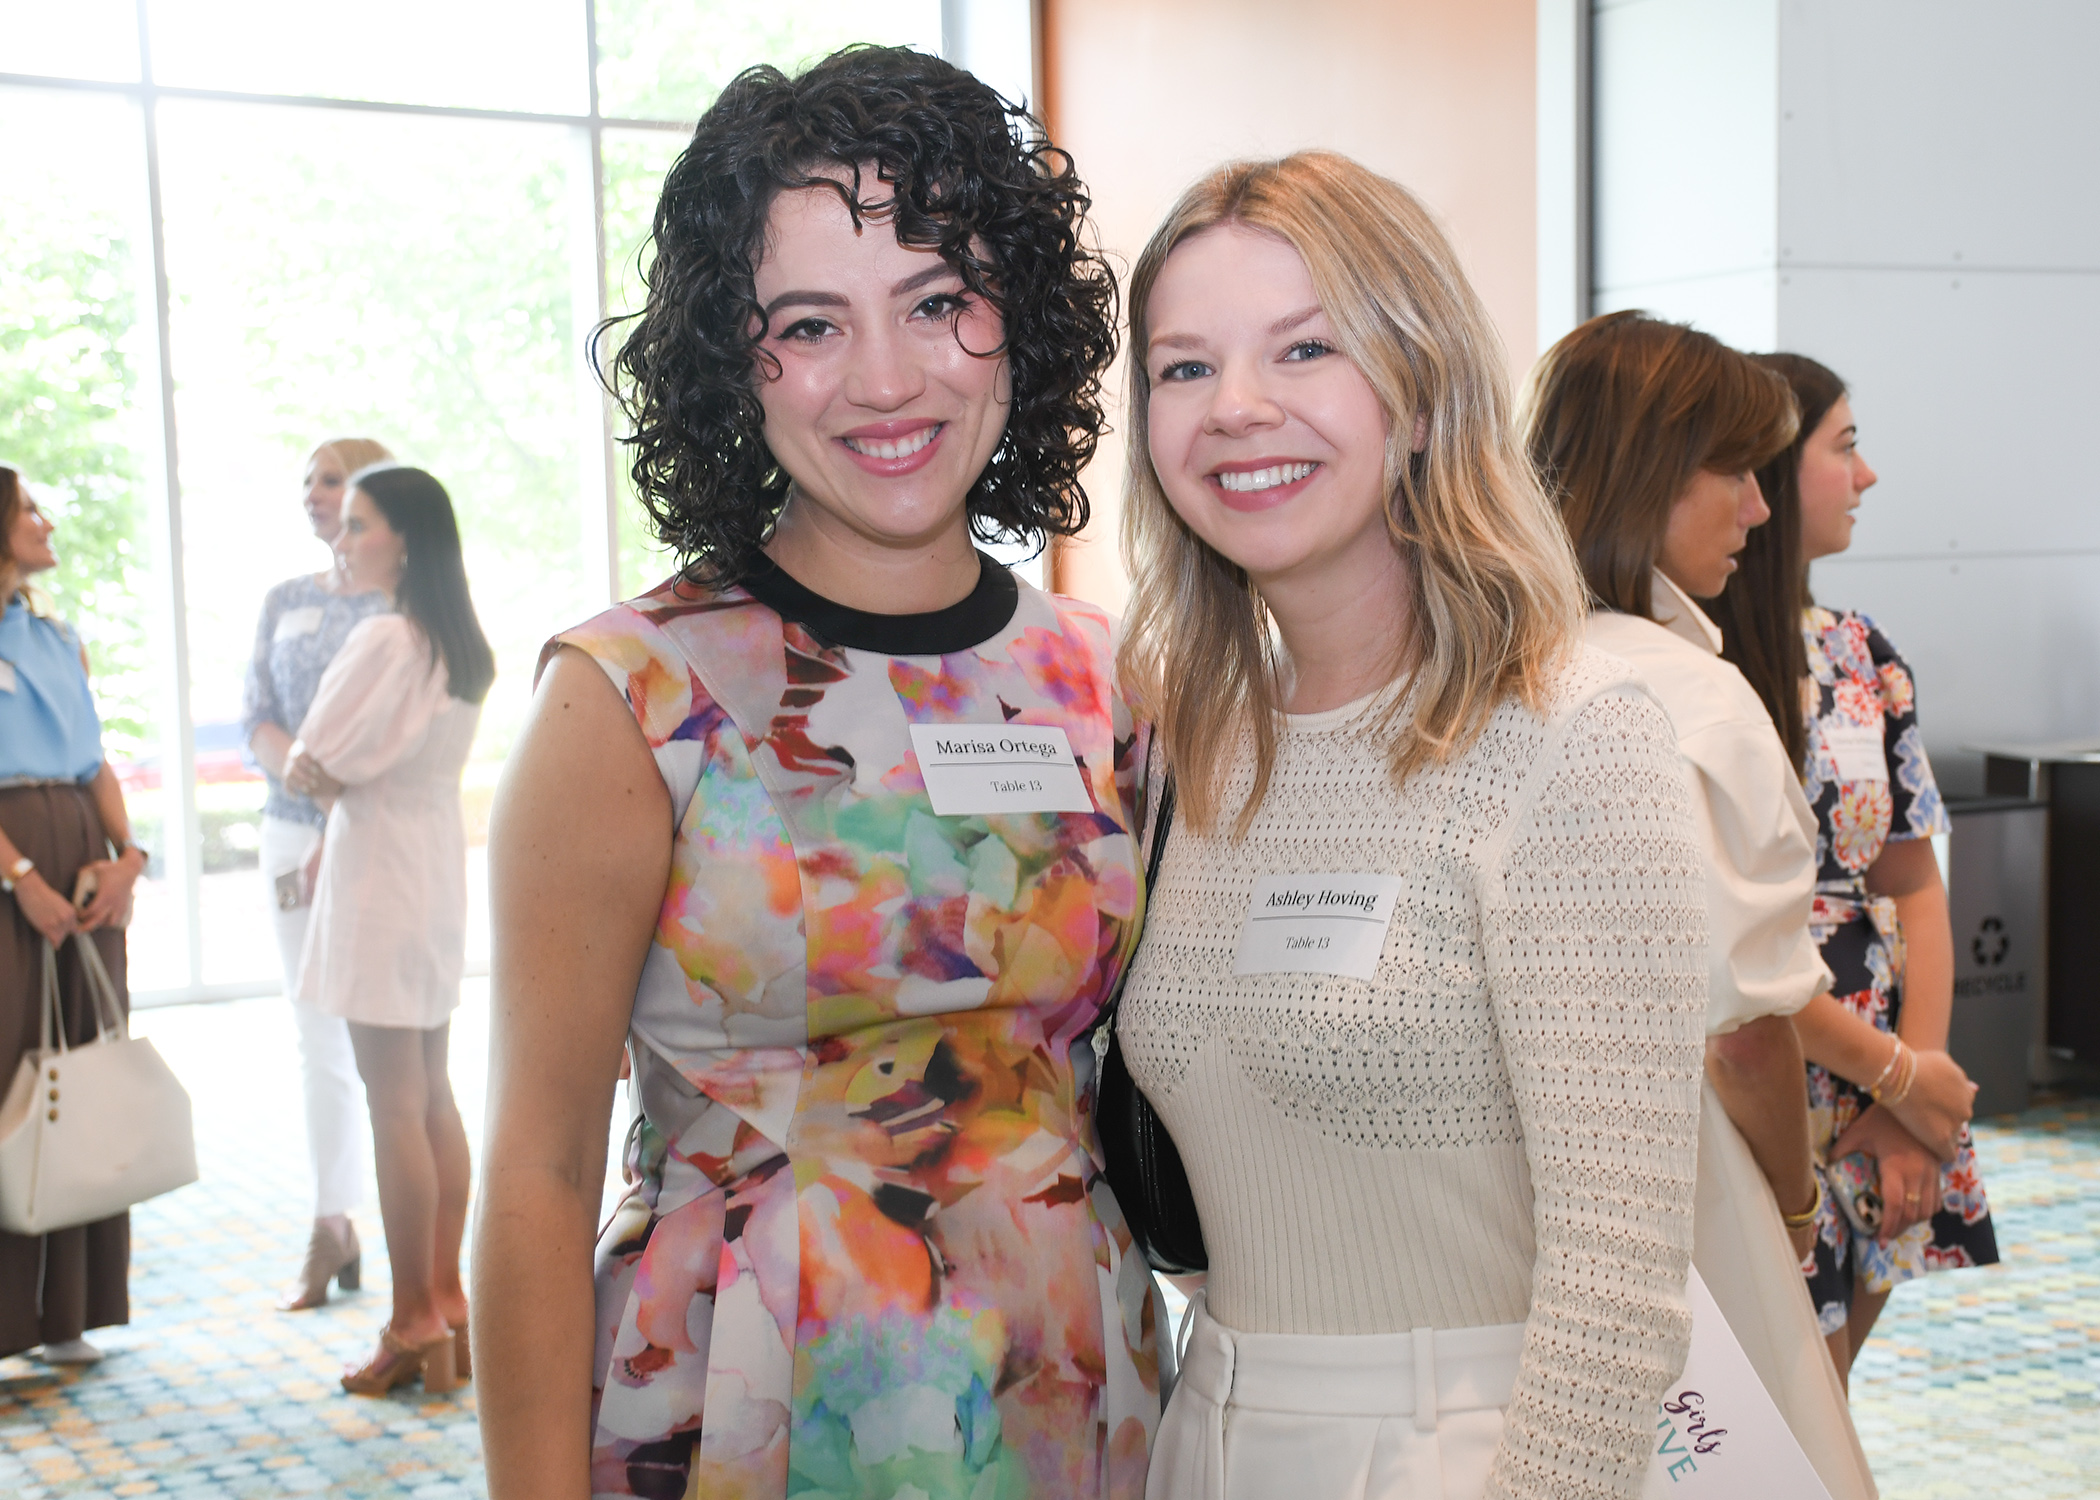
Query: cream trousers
[336, 1128]
[1391, 1416]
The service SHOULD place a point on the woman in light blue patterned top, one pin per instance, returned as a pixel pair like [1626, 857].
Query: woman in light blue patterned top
[305, 621]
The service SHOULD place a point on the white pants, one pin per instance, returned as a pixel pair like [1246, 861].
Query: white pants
[1388, 1416]
[335, 1096]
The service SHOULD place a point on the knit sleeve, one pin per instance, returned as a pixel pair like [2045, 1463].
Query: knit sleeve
[1594, 933]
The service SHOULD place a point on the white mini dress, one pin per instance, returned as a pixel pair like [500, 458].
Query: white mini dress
[388, 935]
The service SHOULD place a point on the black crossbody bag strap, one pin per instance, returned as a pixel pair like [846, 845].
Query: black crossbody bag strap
[1144, 1169]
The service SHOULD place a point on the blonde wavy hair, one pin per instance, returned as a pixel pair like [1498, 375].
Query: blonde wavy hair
[1496, 598]
[353, 453]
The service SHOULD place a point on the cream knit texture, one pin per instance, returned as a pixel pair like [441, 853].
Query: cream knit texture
[1502, 1124]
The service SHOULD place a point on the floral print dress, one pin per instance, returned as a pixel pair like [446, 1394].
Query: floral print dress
[869, 1251]
[1869, 782]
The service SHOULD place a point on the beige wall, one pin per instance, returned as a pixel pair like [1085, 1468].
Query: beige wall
[1147, 94]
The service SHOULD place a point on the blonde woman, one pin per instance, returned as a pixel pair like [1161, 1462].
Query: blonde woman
[1421, 987]
[304, 622]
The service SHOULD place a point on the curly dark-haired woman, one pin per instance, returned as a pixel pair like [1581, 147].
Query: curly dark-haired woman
[835, 829]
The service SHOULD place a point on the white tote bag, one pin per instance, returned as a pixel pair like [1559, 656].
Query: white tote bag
[87, 1131]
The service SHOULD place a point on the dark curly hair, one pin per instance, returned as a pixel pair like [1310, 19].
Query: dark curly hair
[975, 179]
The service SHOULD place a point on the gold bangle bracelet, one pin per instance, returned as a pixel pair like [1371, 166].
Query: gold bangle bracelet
[1808, 1215]
[1895, 1057]
[1892, 1075]
[1899, 1091]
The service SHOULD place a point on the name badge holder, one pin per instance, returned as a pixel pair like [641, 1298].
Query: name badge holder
[979, 769]
[1317, 924]
[1858, 751]
[294, 623]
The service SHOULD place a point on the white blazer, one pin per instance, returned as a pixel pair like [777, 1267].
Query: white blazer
[1760, 879]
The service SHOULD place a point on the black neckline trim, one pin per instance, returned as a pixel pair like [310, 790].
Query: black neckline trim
[971, 621]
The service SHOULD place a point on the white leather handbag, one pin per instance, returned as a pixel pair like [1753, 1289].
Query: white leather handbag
[87, 1131]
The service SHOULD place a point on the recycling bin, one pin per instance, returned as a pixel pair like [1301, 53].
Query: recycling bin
[2065, 777]
[1996, 866]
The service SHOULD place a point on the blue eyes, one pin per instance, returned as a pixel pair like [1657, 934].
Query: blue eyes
[1196, 369]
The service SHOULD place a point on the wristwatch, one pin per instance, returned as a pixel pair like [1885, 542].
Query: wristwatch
[15, 872]
[145, 854]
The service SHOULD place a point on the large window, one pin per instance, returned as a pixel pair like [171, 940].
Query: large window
[249, 225]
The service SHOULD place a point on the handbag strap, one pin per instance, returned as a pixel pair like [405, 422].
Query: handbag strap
[1162, 820]
[49, 1006]
[102, 992]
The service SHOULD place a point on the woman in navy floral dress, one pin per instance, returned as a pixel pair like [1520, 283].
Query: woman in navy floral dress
[1848, 712]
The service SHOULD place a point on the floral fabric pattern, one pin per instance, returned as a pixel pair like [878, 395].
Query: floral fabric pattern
[303, 625]
[869, 1250]
[1858, 687]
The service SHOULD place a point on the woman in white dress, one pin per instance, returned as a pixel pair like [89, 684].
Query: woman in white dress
[1648, 435]
[382, 748]
[1441, 1141]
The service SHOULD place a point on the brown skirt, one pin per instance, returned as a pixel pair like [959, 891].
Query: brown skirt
[55, 1287]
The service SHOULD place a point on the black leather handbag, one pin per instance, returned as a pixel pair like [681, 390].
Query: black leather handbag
[1144, 1168]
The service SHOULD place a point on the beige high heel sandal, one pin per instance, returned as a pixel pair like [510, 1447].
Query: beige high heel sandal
[397, 1362]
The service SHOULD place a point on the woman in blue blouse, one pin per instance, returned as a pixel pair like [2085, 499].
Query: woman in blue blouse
[305, 621]
[61, 819]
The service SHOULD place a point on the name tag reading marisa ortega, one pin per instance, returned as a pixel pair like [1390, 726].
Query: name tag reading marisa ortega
[1316, 924]
[7, 676]
[1858, 751]
[999, 768]
[1717, 1434]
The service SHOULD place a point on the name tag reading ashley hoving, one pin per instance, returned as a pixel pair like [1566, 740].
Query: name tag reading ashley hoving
[1317, 924]
[998, 768]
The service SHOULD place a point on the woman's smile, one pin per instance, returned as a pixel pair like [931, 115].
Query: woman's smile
[1262, 483]
[887, 448]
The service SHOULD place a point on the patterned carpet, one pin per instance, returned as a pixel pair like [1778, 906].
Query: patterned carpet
[1975, 1379]
[1989, 1380]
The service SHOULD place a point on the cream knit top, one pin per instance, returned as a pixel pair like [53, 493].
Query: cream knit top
[1501, 1125]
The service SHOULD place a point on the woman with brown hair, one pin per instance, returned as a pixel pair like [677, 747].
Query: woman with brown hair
[1421, 985]
[62, 825]
[381, 747]
[305, 621]
[1648, 433]
[1847, 711]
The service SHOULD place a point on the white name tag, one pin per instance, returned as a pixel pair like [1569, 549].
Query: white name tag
[1316, 924]
[1858, 751]
[998, 768]
[1717, 1435]
[7, 676]
[297, 622]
